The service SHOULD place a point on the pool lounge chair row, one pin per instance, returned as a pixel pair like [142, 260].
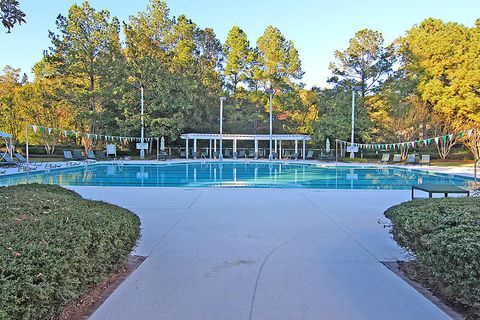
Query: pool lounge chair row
[411, 159]
[77, 156]
[19, 161]
[252, 154]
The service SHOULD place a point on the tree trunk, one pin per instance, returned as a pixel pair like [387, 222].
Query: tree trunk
[444, 147]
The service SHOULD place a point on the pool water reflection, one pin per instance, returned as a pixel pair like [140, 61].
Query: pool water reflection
[237, 174]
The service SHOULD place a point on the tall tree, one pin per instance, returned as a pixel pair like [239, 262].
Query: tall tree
[364, 63]
[10, 83]
[81, 50]
[42, 102]
[334, 114]
[278, 59]
[238, 57]
[444, 58]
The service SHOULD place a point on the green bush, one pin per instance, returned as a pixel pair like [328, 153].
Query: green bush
[54, 245]
[444, 235]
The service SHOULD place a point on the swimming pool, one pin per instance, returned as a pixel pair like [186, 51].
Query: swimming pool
[237, 174]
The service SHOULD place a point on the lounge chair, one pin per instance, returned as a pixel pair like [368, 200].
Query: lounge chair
[22, 166]
[7, 161]
[252, 154]
[327, 157]
[241, 154]
[162, 156]
[275, 155]
[309, 155]
[412, 159]
[23, 162]
[385, 158]
[100, 155]
[78, 155]
[227, 154]
[425, 160]
[91, 156]
[397, 158]
[287, 154]
[182, 154]
[67, 156]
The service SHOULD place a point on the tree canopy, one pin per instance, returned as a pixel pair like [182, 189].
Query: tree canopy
[424, 84]
[11, 14]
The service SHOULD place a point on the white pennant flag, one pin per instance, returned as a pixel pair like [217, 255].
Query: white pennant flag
[450, 136]
[34, 129]
[65, 133]
[49, 131]
[437, 139]
[470, 133]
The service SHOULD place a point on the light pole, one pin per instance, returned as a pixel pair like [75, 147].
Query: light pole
[352, 154]
[270, 91]
[142, 150]
[220, 155]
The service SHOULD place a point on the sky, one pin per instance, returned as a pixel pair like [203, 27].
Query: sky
[317, 27]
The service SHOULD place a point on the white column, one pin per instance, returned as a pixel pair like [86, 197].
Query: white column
[194, 148]
[275, 145]
[210, 148]
[234, 147]
[280, 150]
[186, 148]
[303, 155]
[215, 146]
[256, 149]
[296, 147]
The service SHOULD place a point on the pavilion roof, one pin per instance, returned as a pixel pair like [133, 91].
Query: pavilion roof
[229, 136]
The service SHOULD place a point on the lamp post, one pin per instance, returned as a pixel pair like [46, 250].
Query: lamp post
[220, 155]
[270, 91]
[352, 154]
[142, 150]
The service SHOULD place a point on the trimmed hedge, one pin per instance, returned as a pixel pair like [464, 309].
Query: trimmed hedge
[444, 235]
[54, 245]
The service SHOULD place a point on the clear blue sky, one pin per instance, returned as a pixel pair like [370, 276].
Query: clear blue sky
[318, 28]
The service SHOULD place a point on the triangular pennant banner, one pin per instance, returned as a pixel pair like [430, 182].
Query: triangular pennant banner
[34, 129]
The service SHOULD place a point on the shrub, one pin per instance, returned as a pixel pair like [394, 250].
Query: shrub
[444, 235]
[54, 245]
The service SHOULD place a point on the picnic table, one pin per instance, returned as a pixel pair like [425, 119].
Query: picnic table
[438, 188]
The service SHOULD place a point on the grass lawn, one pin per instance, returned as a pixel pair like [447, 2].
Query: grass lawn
[452, 163]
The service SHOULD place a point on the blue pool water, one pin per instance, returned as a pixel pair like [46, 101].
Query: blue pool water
[237, 174]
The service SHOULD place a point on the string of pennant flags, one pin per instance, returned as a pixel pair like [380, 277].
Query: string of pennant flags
[414, 143]
[90, 136]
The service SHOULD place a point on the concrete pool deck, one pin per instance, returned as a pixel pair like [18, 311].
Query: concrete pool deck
[262, 254]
